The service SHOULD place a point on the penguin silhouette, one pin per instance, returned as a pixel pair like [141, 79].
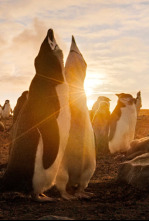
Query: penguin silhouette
[40, 135]
[79, 161]
[20, 103]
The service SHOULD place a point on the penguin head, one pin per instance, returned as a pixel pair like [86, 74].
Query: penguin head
[102, 103]
[139, 94]
[76, 66]
[138, 101]
[49, 61]
[104, 100]
[25, 94]
[126, 99]
[7, 102]
[104, 107]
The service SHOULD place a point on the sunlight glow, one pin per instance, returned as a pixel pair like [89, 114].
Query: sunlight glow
[93, 81]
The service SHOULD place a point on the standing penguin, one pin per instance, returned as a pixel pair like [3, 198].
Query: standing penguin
[6, 110]
[41, 134]
[100, 124]
[138, 102]
[20, 103]
[97, 105]
[79, 162]
[123, 124]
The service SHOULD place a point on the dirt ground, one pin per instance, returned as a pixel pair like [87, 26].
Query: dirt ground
[112, 201]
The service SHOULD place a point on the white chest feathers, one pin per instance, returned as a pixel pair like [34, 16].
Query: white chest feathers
[45, 179]
[6, 111]
[125, 130]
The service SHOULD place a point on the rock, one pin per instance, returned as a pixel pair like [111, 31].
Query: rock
[136, 172]
[54, 218]
[138, 148]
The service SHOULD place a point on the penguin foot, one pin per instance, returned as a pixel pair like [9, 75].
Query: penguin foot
[68, 197]
[84, 195]
[42, 198]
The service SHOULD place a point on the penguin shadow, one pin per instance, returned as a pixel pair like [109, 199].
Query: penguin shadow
[72, 191]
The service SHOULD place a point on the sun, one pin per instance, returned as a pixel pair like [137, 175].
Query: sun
[92, 81]
[92, 86]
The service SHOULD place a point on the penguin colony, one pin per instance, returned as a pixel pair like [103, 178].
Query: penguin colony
[55, 144]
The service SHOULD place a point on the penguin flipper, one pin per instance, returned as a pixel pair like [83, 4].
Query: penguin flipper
[112, 129]
[115, 116]
[50, 137]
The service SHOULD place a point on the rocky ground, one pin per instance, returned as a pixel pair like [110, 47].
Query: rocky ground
[112, 201]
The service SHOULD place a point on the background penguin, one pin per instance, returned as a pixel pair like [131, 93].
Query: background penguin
[41, 134]
[97, 104]
[20, 103]
[123, 124]
[79, 163]
[138, 102]
[6, 110]
[100, 124]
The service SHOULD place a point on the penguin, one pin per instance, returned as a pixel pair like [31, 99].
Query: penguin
[138, 102]
[123, 124]
[79, 161]
[41, 134]
[135, 172]
[6, 110]
[20, 103]
[100, 123]
[97, 104]
[138, 147]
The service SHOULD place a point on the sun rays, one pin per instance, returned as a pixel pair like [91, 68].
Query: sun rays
[93, 83]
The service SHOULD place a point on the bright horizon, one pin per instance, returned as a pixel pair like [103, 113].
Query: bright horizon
[113, 36]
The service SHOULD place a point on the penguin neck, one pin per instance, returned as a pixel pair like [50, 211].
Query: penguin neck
[49, 79]
[77, 97]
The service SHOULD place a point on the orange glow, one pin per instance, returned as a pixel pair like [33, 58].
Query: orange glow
[93, 81]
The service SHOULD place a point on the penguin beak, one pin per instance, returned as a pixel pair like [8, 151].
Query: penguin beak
[51, 35]
[73, 40]
[74, 47]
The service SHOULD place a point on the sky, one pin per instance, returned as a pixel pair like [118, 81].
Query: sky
[113, 36]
